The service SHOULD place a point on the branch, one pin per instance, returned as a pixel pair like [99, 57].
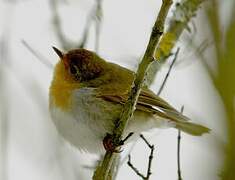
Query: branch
[150, 157]
[149, 162]
[179, 21]
[58, 28]
[178, 155]
[5, 58]
[99, 15]
[168, 73]
[39, 56]
[178, 150]
[129, 163]
[95, 15]
[102, 171]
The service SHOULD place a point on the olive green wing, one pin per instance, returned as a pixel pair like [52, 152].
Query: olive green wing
[151, 103]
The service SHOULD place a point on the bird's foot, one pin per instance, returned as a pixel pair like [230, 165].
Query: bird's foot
[114, 146]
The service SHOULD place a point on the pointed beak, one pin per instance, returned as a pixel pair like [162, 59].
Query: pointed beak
[58, 52]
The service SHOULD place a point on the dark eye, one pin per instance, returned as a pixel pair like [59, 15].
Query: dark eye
[73, 69]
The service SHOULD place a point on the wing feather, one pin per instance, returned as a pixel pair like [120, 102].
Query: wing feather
[149, 103]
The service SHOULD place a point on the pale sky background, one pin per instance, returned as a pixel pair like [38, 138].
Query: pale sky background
[30, 145]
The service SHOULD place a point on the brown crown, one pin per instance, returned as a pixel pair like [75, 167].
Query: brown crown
[86, 61]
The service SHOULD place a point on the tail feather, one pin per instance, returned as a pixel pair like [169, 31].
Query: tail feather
[176, 119]
[192, 128]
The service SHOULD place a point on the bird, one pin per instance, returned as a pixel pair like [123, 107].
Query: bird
[86, 98]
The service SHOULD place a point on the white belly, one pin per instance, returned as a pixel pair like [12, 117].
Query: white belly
[91, 119]
[75, 132]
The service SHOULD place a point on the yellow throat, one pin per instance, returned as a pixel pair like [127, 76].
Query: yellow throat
[61, 88]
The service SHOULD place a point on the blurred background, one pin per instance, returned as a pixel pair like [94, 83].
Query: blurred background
[203, 80]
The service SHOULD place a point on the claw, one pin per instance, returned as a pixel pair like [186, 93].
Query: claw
[111, 146]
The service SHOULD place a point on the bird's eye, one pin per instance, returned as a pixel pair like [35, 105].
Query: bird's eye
[73, 69]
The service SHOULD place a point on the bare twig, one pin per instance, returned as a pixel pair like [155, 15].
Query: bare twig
[178, 151]
[129, 106]
[150, 157]
[5, 62]
[94, 15]
[149, 162]
[57, 23]
[127, 137]
[39, 56]
[168, 73]
[178, 155]
[5, 104]
[85, 34]
[99, 15]
[129, 163]
[89, 21]
[199, 50]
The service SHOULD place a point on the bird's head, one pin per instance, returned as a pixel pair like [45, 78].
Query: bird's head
[79, 65]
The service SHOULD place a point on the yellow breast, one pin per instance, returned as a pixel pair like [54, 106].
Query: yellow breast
[62, 87]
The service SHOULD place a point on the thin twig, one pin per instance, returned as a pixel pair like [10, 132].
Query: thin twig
[4, 111]
[150, 156]
[178, 155]
[86, 29]
[178, 150]
[146, 141]
[129, 163]
[129, 151]
[39, 56]
[94, 15]
[58, 27]
[168, 73]
[99, 14]
[149, 162]
[127, 137]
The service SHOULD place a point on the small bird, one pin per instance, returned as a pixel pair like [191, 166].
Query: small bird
[87, 95]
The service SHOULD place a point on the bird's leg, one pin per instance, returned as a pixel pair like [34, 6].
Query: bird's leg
[112, 146]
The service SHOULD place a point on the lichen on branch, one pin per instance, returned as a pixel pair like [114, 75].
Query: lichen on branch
[182, 14]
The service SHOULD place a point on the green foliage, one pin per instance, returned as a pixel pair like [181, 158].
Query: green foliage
[224, 79]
